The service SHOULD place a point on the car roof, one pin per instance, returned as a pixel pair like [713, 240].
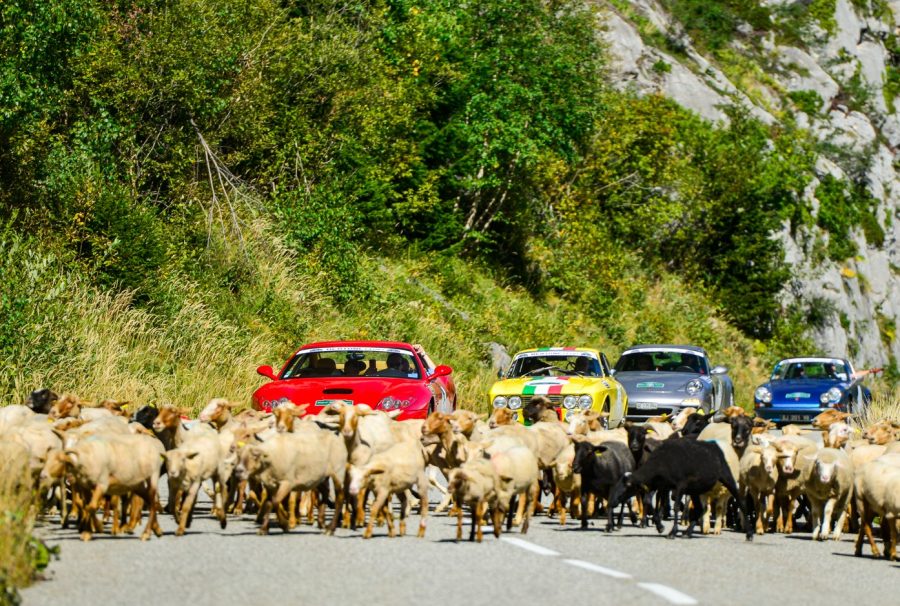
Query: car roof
[814, 359]
[652, 347]
[360, 344]
[559, 350]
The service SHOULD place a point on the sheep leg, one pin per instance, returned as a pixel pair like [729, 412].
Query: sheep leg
[842, 519]
[338, 502]
[361, 507]
[532, 496]
[389, 517]
[890, 551]
[474, 507]
[760, 512]
[135, 511]
[186, 508]
[150, 497]
[584, 513]
[404, 501]
[377, 506]
[865, 529]
[520, 512]
[482, 506]
[676, 510]
[514, 503]
[815, 511]
[423, 505]
[265, 513]
[292, 510]
[708, 505]
[241, 497]
[560, 506]
[694, 515]
[826, 519]
[497, 520]
[459, 523]
[89, 512]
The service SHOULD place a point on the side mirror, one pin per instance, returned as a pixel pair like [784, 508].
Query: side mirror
[440, 371]
[612, 372]
[719, 370]
[267, 372]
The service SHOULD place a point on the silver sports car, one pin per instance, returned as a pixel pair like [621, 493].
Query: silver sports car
[662, 379]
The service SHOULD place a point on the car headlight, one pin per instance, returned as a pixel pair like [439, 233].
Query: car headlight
[500, 402]
[585, 401]
[515, 402]
[273, 404]
[832, 396]
[694, 387]
[570, 402]
[391, 403]
[763, 395]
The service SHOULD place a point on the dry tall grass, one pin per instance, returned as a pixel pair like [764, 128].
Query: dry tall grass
[885, 406]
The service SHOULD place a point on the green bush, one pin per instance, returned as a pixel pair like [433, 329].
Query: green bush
[807, 101]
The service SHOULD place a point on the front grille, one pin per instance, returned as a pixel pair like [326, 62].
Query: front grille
[634, 411]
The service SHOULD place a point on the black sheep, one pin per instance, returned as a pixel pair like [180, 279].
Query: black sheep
[145, 415]
[686, 468]
[41, 400]
[601, 467]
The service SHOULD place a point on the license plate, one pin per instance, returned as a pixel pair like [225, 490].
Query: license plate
[643, 405]
[795, 417]
[327, 402]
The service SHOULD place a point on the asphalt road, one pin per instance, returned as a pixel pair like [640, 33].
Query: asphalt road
[550, 565]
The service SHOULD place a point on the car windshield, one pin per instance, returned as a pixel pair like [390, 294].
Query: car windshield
[540, 364]
[824, 370]
[662, 361]
[352, 362]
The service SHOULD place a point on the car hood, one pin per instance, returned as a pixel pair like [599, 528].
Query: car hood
[536, 386]
[365, 390]
[795, 389]
[657, 382]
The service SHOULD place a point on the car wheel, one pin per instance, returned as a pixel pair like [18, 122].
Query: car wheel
[430, 409]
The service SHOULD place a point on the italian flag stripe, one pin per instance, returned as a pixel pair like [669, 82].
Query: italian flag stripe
[554, 390]
[528, 390]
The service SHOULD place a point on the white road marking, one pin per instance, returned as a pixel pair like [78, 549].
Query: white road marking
[673, 596]
[530, 546]
[594, 568]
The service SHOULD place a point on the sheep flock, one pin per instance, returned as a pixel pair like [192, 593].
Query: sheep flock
[100, 465]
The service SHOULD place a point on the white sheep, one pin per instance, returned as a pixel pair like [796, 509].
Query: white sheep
[393, 471]
[758, 476]
[828, 485]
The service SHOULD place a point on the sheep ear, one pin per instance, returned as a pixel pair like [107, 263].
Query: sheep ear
[258, 437]
[482, 417]
[394, 413]
[578, 438]
[299, 410]
[193, 455]
[363, 408]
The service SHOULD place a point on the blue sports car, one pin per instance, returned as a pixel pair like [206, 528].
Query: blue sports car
[801, 388]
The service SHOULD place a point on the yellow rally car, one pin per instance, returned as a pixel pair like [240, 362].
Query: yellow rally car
[572, 377]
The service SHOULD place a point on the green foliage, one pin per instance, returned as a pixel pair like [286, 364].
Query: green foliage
[807, 101]
[661, 67]
[841, 207]
[712, 24]
[822, 11]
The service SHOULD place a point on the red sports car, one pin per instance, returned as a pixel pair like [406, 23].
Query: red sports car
[383, 374]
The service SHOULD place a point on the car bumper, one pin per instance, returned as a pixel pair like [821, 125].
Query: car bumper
[641, 409]
[791, 415]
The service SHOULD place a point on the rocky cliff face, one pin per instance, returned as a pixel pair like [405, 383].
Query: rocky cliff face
[836, 75]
